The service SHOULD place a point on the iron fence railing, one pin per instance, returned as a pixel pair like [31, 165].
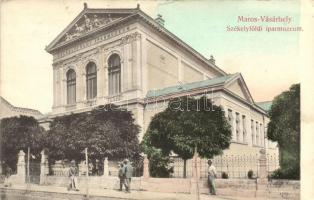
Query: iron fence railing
[227, 166]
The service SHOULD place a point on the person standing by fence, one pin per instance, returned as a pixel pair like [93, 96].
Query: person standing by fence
[121, 175]
[212, 174]
[73, 171]
[128, 172]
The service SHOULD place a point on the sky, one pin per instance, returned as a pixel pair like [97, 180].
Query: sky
[268, 61]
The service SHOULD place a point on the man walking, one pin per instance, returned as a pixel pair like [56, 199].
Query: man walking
[128, 172]
[212, 174]
[121, 175]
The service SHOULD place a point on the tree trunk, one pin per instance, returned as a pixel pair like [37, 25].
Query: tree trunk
[184, 168]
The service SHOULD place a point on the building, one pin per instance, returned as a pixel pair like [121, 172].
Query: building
[8, 110]
[125, 57]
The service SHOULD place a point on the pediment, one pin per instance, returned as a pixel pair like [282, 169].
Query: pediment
[238, 87]
[88, 21]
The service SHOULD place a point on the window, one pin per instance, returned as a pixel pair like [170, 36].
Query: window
[244, 128]
[257, 134]
[230, 119]
[238, 126]
[114, 74]
[262, 134]
[91, 80]
[252, 132]
[71, 86]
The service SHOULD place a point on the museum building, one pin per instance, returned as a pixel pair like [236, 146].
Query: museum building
[125, 57]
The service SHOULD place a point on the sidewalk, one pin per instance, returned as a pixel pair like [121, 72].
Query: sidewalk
[107, 194]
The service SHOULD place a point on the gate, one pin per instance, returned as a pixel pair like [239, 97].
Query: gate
[34, 172]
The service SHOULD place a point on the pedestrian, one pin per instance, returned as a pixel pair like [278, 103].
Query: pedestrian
[128, 172]
[73, 172]
[212, 174]
[121, 175]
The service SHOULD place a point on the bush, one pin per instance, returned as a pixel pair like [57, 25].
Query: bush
[224, 175]
[250, 174]
[287, 173]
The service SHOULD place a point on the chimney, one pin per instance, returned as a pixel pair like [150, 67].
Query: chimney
[85, 5]
[212, 60]
[160, 20]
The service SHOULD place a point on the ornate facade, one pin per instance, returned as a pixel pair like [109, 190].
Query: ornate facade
[125, 57]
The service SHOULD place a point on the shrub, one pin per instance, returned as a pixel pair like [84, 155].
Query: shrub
[292, 172]
[250, 174]
[224, 175]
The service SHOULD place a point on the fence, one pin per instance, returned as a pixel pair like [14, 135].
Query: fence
[233, 166]
[61, 168]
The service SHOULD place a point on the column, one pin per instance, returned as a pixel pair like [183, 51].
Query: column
[106, 167]
[195, 175]
[144, 76]
[21, 169]
[146, 167]
[81, 82]
[63, 86]
[44, 168]
[262, 178]
[100, 74]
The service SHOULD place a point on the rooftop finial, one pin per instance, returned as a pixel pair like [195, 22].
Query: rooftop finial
[85, 5]
[160, 20]
[138, 6]
[212, 59]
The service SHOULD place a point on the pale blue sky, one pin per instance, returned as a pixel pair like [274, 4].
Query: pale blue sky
[202, 24]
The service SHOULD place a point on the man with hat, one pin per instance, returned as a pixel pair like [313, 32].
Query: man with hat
[128, 172]
[73, 171]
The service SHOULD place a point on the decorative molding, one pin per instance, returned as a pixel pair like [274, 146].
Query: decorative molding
[91, 42]
[89, 23]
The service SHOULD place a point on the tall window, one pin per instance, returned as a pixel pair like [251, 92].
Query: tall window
[71, 86]
[257, 134]
[252, 132]
[262, 134]
[244, 128]
[230, 119]
[91, 80]
[114, 74]
[238, 126]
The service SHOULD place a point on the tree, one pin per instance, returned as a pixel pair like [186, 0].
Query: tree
[284, 127]
[188, 124]
[19, 133]
[107, 131]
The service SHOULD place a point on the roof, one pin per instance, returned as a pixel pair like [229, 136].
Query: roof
[20, 109]
[265, 105]
[130, 13]
[221, 80]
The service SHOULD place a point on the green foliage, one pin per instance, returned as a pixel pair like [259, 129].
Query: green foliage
[284, 127]
[292, 172]
[107, 131]
[158, 162]
[224, 175]
[188, 123]
[250, 174]
[19, 133]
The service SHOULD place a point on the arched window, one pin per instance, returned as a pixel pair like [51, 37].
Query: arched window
[114, 74]
[91, 80]
[71, 86]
